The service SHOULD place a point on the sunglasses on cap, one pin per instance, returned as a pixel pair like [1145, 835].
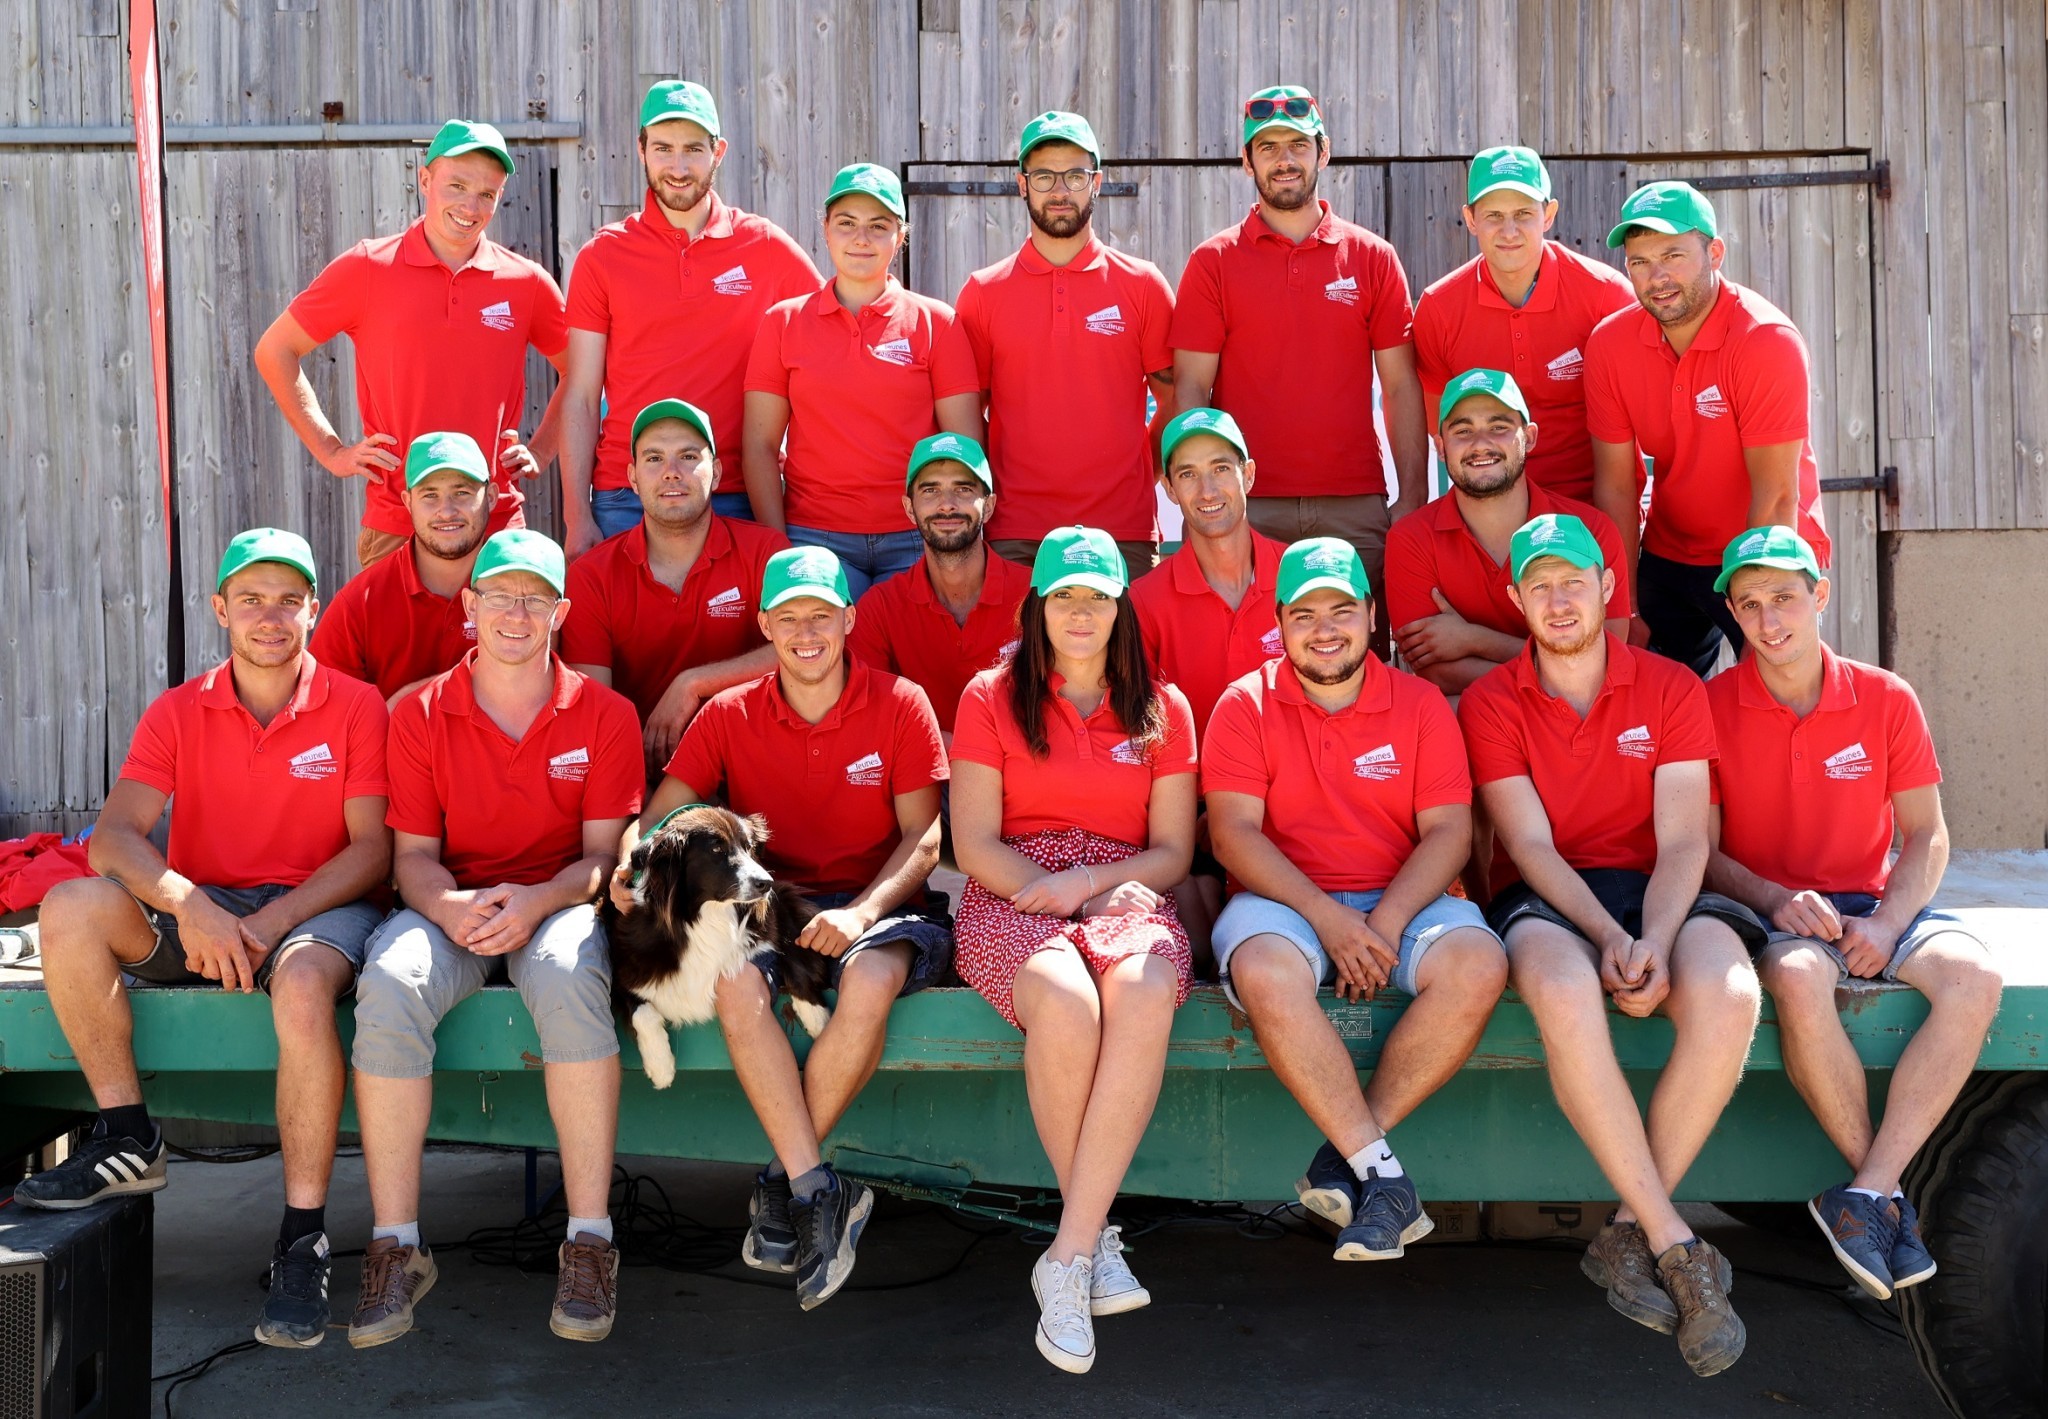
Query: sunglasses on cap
[1259, 110]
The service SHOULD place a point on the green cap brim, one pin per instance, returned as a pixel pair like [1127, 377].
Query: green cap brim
[827, 594]
[1328, 582]
[1527, 189]
[1781, 563]
[1094, 581]
[1655, 224]
[458, 149]
[673, 409]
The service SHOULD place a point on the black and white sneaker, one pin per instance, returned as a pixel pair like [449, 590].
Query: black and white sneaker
[295, 1315]
[102, 1167]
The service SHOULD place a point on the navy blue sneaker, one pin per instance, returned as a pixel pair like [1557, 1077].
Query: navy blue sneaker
[828, 1227]
[1860, 1229]
[295, 1313]
[1389, 1217]
[1330, 1189]
[771, 1237]
[1911, 1262]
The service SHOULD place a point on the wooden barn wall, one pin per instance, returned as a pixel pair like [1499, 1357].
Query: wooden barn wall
[1936, 364]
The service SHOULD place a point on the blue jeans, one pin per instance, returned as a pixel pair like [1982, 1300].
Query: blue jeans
[1248, 915]
[734, 505]
[616, 510]
[868, 557]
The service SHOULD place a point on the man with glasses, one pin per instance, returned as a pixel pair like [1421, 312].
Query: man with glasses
[512, 779]
[1295, 309]
[1051, 357]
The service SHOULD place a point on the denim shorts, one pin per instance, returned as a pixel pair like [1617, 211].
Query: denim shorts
[1921, 930]
[1248, 915]
[929, 933]
[345, 928]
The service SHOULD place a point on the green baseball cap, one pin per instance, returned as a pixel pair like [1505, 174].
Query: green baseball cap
[1555, 534]
[1318, 562]
[1200, 421]
[1669, 207]
[955, 448]
[803, 571]
[521, 549]
[1498, 383]
[266, 544]
[1516, 168]
[1310, 123]
[674, 409]
[459, 135]
[679, 98]
[874, 180]
[1767, 547]
[1057, 127]
[1079, 556]
[430, 453]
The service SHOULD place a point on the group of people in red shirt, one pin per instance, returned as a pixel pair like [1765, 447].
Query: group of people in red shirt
[882, 571]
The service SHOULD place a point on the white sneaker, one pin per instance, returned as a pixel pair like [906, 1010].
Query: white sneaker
[1066, 1336]
[1113, 1290]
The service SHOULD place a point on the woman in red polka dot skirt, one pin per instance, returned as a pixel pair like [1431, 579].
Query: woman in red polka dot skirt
[1074, 818]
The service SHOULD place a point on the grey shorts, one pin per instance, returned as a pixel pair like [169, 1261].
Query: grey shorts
[1248, 914]
[1922, 929]
[415, 975]
[928, 933]
[345, 928]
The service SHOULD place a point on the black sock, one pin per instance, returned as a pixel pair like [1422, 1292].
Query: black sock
[302, 1222]
[127, 1121]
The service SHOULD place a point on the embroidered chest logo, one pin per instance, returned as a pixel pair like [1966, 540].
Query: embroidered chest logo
[727, 605]
[1709, 403]
[1570, 365]
[1269, 643]
[1379, 764]
[1343, 290]
[1635, 743]
[865, 772]
[1107, 321]
[1850, 764]
[314, 764]
[895, 352]
[1007, 653]
[734, 282]
[498, 316]
[571, 767]
[1127, 753]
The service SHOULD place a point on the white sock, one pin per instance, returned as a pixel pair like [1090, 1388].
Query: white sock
[1872, 1193]
[596, 1226]
[407, 1233]
[1376, 1155]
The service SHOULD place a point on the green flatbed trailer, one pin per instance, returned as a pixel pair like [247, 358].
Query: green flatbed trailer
[946, 1116]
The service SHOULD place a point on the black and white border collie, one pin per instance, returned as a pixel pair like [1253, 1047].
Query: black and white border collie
[703, 909]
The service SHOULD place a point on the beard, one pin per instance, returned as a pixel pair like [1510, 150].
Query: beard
[1583, 641]
[1692, 301]
[1292, 201]
[1490, 482]
[266, 657]
[452, 546]
[1065, 226]
[692, 195]
[950, 543]
[1335, 675]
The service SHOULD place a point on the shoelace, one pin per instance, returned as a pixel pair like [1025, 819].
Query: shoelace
[295, 1273]
[775, 1207]
[804, 1220]
[386, 1278]
[586, 1278]
[1066, 1308]
[1110, 1265]
[1692, 1283]
[1379, 1205]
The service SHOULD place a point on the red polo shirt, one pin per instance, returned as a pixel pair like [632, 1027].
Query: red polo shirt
[1063, 353]
[1342, 790]
[859, 386]
[510, 812]
[902, 627]
[621, 618]
[828, 790]
[1090, 778]
[435, 349]
[1742, 384]
[258, 805]
[1432, 548]
[678, 316]
[1463, 322]
[1193, 638]
[1807, 803]
[385, 627]
[1306, 319]
[1595, 774]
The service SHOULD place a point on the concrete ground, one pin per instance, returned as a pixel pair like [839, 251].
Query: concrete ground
[1238, 1325]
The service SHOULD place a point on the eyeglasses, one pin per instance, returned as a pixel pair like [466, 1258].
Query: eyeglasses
[537, 606]
[1073, 179]
[1259, 110]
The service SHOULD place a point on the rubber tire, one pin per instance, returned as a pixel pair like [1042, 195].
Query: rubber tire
[1979, 1326]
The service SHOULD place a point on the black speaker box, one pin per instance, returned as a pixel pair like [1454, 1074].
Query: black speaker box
[74, 1311]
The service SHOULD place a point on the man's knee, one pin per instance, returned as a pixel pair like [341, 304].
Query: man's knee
[1956, 972]
[1801, 978]
[1713, 967]
[742, 994]
[304, 987]
[1550, 965]
[1467, 964]
[81, 918]
[1267, 971]
[870, 982]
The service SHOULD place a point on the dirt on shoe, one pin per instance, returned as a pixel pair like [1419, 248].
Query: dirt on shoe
[395, 1279]
[1619, 1260]
[586, 1289]
[1710, 1334]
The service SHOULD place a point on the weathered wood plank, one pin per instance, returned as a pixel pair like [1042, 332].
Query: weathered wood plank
[2026, 152]
[1905, 385]
[1949, 197]
[2029, 342]
[1993, 466]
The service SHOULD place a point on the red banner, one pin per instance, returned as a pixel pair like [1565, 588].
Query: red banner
[147, 100]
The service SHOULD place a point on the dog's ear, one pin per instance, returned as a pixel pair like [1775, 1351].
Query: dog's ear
[757, 830]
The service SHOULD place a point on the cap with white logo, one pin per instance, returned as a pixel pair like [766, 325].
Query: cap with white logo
[1555, 534]
[949, 448]
[1767, 547]
[803, 571]
[1321, 563]
[1079, 556]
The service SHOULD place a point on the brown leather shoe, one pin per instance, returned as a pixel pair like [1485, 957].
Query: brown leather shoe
[1710, 1334]
[586, 1289]
[1619, 1260]
[395, 1279]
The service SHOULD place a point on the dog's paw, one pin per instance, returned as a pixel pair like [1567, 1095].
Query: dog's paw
[657, 1056]
[813, 1018]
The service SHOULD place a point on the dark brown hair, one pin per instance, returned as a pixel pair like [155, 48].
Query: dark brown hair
[1133, 698]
